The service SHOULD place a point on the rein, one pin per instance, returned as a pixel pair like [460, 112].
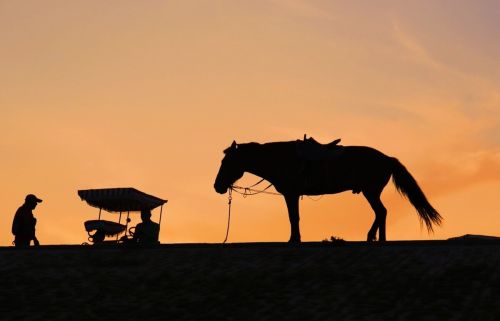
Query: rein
[249, 191]
[229, 201]
[245, 191]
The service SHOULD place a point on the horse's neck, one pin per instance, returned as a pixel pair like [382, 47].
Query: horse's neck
[258, 168]
[262, 160]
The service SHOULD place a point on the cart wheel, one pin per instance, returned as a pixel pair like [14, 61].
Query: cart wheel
[97, 237]
[90, 238]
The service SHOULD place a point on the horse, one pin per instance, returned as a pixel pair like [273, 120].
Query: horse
[306, 167]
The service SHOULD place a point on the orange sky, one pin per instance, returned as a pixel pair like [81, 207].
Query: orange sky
[147, 94]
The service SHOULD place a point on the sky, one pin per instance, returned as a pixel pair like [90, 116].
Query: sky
[148, 94]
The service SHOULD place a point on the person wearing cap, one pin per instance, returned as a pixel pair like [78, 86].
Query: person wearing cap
[23, 226]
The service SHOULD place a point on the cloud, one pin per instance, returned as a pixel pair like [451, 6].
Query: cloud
[423, 55]
[417, 51]
[474, 168]
[305, 8]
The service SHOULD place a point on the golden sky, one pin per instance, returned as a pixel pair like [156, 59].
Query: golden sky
[147, 94]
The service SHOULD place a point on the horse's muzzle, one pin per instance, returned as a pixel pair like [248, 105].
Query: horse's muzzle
[219, 189]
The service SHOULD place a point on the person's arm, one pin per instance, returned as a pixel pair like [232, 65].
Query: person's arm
[137, 233]
[15, 224]
[35, 240]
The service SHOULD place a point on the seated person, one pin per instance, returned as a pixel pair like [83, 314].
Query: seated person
[148, 231]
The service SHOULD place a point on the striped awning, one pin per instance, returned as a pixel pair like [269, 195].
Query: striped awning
[120, 199]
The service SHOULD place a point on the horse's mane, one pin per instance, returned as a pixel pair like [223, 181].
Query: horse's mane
[247, 148]
[244, 146]
[265, 146]
[276, 148]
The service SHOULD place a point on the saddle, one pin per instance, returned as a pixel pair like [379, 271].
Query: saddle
[311, 150]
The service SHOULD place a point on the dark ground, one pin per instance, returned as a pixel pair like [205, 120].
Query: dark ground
[429, 280]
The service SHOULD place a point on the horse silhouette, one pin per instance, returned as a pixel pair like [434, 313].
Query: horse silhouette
[306, 167]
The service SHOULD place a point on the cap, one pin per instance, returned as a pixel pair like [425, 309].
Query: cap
[32, 199]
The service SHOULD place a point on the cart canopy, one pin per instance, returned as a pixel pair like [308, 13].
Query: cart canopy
[120, 199]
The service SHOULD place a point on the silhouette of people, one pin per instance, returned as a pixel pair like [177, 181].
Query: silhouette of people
[23, 225]
[148, 231]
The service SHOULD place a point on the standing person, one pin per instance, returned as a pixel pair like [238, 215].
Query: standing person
[23, 226]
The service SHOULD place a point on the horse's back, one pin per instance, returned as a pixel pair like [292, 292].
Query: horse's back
[362, 158]
[328, 170]
[355, 168]
[364, 152]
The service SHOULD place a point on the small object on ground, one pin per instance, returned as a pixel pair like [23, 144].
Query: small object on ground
[474, 237]
[334, 240]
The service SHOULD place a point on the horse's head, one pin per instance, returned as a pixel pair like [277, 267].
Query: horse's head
[230, 169]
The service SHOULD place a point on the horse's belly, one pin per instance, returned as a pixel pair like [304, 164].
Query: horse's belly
[328, 190]
[333, 182]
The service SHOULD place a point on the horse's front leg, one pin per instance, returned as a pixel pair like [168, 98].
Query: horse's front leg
[292, 203]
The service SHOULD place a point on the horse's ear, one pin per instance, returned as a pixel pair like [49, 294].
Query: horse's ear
[233, 146]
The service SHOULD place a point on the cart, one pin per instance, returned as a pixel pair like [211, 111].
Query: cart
[122, 201]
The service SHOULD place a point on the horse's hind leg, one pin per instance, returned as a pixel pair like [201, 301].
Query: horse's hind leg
[372, 233]
[380, 215]
[292, 202]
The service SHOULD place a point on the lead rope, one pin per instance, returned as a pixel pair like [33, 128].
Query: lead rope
[245, 191]
[229, 201]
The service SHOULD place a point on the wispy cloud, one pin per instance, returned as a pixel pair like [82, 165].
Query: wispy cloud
[305, 8]
[417, 51]
[423, 55]
[471, 169]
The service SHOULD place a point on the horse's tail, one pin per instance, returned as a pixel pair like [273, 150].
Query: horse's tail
[408, 187]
